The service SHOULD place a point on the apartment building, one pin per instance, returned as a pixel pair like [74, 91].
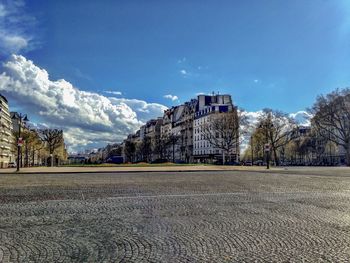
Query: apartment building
[208, 108]
[151, 129]
[183, 127]
[180, 127]
[6, 137]
[177, 126]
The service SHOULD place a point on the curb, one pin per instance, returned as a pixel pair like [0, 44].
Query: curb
[136, 171]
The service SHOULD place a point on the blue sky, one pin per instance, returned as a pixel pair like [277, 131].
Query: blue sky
[277, 54]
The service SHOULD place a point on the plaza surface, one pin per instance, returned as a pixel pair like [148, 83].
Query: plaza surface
[131, 168]
[247, 215]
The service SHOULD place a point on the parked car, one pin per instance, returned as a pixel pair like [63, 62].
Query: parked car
[115, 159]
[259, 163]
[12, 165]
[232, 163]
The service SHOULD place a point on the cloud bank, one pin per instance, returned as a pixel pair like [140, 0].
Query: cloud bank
[87, 118]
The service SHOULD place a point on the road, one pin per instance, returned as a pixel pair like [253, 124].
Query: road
[228, 216]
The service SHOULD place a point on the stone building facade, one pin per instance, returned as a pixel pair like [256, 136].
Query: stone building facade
[208, 108]
[179, 129]
[6, 137]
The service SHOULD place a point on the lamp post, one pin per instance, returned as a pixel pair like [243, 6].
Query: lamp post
[22, 119]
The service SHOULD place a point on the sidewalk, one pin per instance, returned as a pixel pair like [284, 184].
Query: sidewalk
[126, 169]
[335, 171]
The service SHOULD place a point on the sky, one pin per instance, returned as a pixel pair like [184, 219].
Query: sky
[100, 69]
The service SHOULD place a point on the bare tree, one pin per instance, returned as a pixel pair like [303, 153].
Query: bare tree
[53, 138]
[37, 148]
[332, 118]
[116, 150]
[256, 146]
[32, 143]
[159, 146]
[277, 127]
[222, 131]
[29, 138]
[145, 149]
[172, 141]
[129, 150]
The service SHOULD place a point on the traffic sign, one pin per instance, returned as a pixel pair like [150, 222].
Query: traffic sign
[20, 141]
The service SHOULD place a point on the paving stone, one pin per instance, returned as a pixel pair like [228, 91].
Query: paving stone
[197, 217]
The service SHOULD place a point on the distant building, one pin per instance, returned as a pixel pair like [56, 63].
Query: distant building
[208, 107]
[79, 158]
[6, 137]
[179, 131]
[95, 156]
[178, 122]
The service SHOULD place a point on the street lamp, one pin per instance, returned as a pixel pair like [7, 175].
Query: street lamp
[22, 119]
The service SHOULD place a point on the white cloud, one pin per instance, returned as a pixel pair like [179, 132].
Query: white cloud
[256, 80]
[113, 92]
[183, 72]
[301, 117]
[12, 43]
[86, 117]
[15, 27]
[144, 111]
[171, 97]
[253, 116]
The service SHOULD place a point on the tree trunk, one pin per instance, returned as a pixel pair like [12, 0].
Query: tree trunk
[173, 152]
[223, 157]
[26, 155]
[275, 156]
[33, 158]
[348, 155]
[51, 161]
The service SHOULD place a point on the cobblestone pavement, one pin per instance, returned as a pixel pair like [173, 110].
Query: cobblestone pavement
[175, 217]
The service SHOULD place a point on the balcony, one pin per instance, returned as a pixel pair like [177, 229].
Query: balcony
[5, 147]
[4, 139]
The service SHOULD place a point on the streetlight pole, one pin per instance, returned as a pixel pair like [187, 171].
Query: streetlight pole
[22, 118]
